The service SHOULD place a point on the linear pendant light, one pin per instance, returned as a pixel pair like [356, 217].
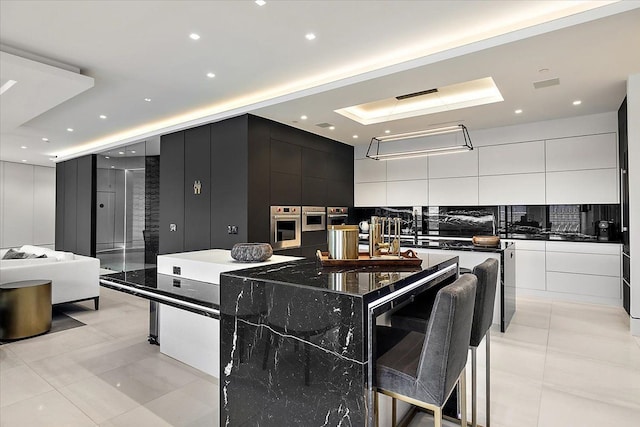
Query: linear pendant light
[430, 151]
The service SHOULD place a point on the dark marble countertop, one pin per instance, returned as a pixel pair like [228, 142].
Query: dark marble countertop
[359, 281]
[149, 281]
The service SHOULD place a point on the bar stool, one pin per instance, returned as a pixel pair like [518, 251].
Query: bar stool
[424, 368]
[415, 317]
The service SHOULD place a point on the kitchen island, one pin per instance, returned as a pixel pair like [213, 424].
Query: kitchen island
[298, 340]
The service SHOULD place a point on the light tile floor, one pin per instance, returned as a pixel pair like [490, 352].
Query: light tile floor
[559, 364]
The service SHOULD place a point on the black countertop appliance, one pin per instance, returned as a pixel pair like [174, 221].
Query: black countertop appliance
[606, 230]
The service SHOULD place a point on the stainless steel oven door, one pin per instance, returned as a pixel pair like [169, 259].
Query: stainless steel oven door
[285, 227]
[337, 215]
[314, 218]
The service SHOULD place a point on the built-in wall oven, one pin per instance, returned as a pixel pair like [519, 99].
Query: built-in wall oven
[337, 215]
[314, 218]
[285, 227]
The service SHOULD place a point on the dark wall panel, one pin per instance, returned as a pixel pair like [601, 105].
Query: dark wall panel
[259, 184]
[172, 193]
[286, 157]
[151, 208]
[197, 207]
[70, 203]
[229, 182]
[314, 191]
[315, 163]
[285, 189]
[60, 178]
[86, 206]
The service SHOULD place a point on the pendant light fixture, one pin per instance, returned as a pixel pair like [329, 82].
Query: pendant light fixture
[375, 153]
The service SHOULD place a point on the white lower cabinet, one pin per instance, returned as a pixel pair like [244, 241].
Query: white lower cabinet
[585, 285]
[530, 269]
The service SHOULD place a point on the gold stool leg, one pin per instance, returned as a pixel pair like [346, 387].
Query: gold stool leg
[393, 412]
[437, 417]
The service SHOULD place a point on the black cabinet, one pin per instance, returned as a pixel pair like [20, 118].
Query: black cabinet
[197, 188]
[76, 206]
[623, 152]
[172, 193]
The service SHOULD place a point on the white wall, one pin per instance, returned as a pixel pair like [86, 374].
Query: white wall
[633, 128]
[564, 161]
[27, 205]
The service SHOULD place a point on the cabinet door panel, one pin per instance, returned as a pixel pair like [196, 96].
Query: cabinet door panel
[454, 165]
[314, 191]
[314, 163]
[285, 189]
[197, 188]
[604, 265]
[368, 170]
[582, 152]
[285, 157]
[407, 169]
[370, 194]
[172, 193]
[453, 191]
[407, 193]
[525, 157]
[584, 284]
[530, 269]
[582, 187]
[512, 189]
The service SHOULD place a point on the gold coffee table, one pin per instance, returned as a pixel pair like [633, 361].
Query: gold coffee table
[25, 309]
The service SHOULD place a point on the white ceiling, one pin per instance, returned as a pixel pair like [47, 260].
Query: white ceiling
[364, 51]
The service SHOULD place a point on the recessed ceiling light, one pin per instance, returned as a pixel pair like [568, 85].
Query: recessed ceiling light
[69, 129]
[261, 2]
[53, 159]
[355, 136]
[332, 127]
[107, 157]
[387, 131]
[148, 99]
[120, 152]
[133, 151]
[45, 139]
[303, 117]
[113, 167]
[24, 147]
[518, 111]
[211, 75]
[577, 102]
[310, 36]
[24, 160]
[194, 36]
[102, 116]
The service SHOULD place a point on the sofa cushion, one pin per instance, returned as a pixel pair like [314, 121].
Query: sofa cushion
[59, 255]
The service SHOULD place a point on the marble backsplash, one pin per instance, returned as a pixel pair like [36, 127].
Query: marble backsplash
[546, 222]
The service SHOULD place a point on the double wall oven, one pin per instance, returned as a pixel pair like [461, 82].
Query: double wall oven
[285, 227]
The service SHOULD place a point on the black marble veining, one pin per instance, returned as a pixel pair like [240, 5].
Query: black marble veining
[198, 297]
[294, 338]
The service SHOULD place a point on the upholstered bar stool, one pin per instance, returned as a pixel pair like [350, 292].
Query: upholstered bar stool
[423, 368]
[415, 317]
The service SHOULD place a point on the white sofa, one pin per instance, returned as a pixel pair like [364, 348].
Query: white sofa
[73, 277]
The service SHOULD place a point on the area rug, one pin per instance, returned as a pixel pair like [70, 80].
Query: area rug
[59, 322]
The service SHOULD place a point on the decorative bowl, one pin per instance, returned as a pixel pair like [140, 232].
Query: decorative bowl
[489, 241]
[251, 252]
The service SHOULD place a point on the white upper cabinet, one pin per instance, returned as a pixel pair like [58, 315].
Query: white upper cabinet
[585, 186]
[454, 165]
[407, 193]
[406, 169]
[582, 152]
[526, 157]
[370, 194]
[369, 170]
[453, 191]
[520, 189]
